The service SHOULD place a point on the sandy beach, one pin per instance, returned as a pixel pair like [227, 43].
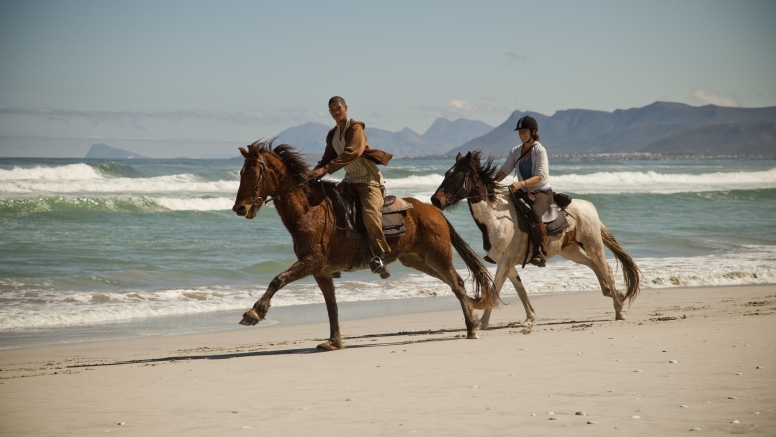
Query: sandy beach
[686, 359]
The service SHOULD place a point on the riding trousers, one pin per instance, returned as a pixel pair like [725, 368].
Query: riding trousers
[542, 202]
[371, 198]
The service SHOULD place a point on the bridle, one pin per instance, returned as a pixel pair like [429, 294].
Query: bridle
[257, 201]
[452, 199]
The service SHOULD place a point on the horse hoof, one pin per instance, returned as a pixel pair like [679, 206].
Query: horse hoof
[472, 336]
[619, 317]
[329, 346]
[250, 318]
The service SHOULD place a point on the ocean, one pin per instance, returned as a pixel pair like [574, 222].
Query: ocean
[100, 249]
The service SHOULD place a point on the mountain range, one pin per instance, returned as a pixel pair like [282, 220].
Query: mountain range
[442, 136]
[662, 127]
[104, 151]
[668, 129]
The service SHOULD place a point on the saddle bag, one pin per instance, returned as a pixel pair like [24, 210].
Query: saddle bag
[560, 199]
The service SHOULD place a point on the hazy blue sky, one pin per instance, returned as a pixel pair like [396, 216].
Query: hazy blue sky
[232, 70]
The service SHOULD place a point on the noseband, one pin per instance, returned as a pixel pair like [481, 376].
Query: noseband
[256, 200]
[452, 199]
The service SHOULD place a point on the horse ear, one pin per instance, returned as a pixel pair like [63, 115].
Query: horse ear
[458, 157]
[469, 155]
[244, 153]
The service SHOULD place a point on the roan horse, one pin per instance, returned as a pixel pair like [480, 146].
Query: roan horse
[505, 233]
[308, 211]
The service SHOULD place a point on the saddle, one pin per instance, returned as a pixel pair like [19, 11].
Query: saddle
[393, 218]
[554, 221]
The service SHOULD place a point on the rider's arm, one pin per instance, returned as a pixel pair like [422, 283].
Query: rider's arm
[500, 176]
[355, 146]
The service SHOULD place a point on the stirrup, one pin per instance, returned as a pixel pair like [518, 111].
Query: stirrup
[377, 265]
[539, 260]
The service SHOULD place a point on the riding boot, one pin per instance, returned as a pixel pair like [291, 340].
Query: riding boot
[379, 266]
[539, 240]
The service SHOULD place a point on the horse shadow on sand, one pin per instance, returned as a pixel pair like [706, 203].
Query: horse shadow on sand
[457, 335]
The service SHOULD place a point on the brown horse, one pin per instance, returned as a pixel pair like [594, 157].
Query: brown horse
[505, 233]
[308, 211]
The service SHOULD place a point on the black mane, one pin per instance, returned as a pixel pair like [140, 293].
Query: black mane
[294, 161]
[487, 172]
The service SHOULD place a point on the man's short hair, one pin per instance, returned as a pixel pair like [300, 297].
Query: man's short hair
[337, 99]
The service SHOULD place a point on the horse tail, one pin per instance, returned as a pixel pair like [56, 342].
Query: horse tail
[630, 270]
[484, 291]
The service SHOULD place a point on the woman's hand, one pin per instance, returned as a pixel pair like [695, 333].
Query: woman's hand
[517, 185]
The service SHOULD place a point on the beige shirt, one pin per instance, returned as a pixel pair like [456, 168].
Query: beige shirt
[360, 171]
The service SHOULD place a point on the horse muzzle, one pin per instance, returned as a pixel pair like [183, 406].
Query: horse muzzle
[437, 202]
[248, 212]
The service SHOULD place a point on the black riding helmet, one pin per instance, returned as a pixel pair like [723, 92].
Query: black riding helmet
[527, 122]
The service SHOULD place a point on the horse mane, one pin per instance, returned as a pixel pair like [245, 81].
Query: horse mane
[293, 160]
[486, 171]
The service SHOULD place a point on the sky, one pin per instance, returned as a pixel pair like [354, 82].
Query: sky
[167, 75]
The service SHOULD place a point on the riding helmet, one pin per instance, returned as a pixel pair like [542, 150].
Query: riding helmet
[527, 122]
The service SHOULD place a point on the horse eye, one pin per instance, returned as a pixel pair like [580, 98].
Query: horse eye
[253, 172]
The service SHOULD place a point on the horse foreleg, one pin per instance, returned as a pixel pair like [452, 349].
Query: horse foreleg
[530, 316]
[502, 271]
[298, 270]
[594, 258]
[326, 285]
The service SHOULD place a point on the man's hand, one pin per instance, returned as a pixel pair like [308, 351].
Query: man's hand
[318, 173]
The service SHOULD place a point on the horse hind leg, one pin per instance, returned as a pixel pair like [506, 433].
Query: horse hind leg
[450, 277]
[594, 258]
[326, 284]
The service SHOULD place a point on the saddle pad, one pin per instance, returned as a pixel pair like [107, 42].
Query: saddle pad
[398, 205]
[557, 226]
[551, 214]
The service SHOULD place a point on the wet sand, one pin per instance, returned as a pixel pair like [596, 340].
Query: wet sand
[690, 358]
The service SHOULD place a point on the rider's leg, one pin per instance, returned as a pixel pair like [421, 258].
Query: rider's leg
[542, 202]
[371, 201]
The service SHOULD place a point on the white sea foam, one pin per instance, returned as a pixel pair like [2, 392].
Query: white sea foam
[27, 308]
[194, 204]
[84, 179]
[663, 183]
[70, 172]
[154, 185]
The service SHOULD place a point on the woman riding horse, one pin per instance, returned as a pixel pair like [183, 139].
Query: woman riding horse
[533, 176]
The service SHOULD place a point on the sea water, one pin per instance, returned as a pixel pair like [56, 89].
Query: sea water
[98, 249]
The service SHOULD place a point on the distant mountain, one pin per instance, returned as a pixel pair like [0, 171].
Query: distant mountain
[662, 127]
[439, 138]
[309, 138]
[758, 138]
[103, 151]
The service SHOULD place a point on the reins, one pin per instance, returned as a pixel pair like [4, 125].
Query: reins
[257, 200]
[452, 199]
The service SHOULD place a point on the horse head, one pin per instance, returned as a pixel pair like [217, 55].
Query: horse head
[458, 183]
[255, 180]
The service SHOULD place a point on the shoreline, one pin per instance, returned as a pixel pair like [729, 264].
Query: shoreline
[279, 316]
[227, 320]
[699, 357]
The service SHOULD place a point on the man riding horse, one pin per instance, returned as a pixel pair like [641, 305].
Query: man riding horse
[346, 147]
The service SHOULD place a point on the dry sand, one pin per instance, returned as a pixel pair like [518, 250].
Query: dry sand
[685, 358]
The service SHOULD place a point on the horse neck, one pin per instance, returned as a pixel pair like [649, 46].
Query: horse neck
[489, 211]
[292, 207]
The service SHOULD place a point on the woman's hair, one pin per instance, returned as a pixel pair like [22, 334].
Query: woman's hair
[535, 134]
[337, 99]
